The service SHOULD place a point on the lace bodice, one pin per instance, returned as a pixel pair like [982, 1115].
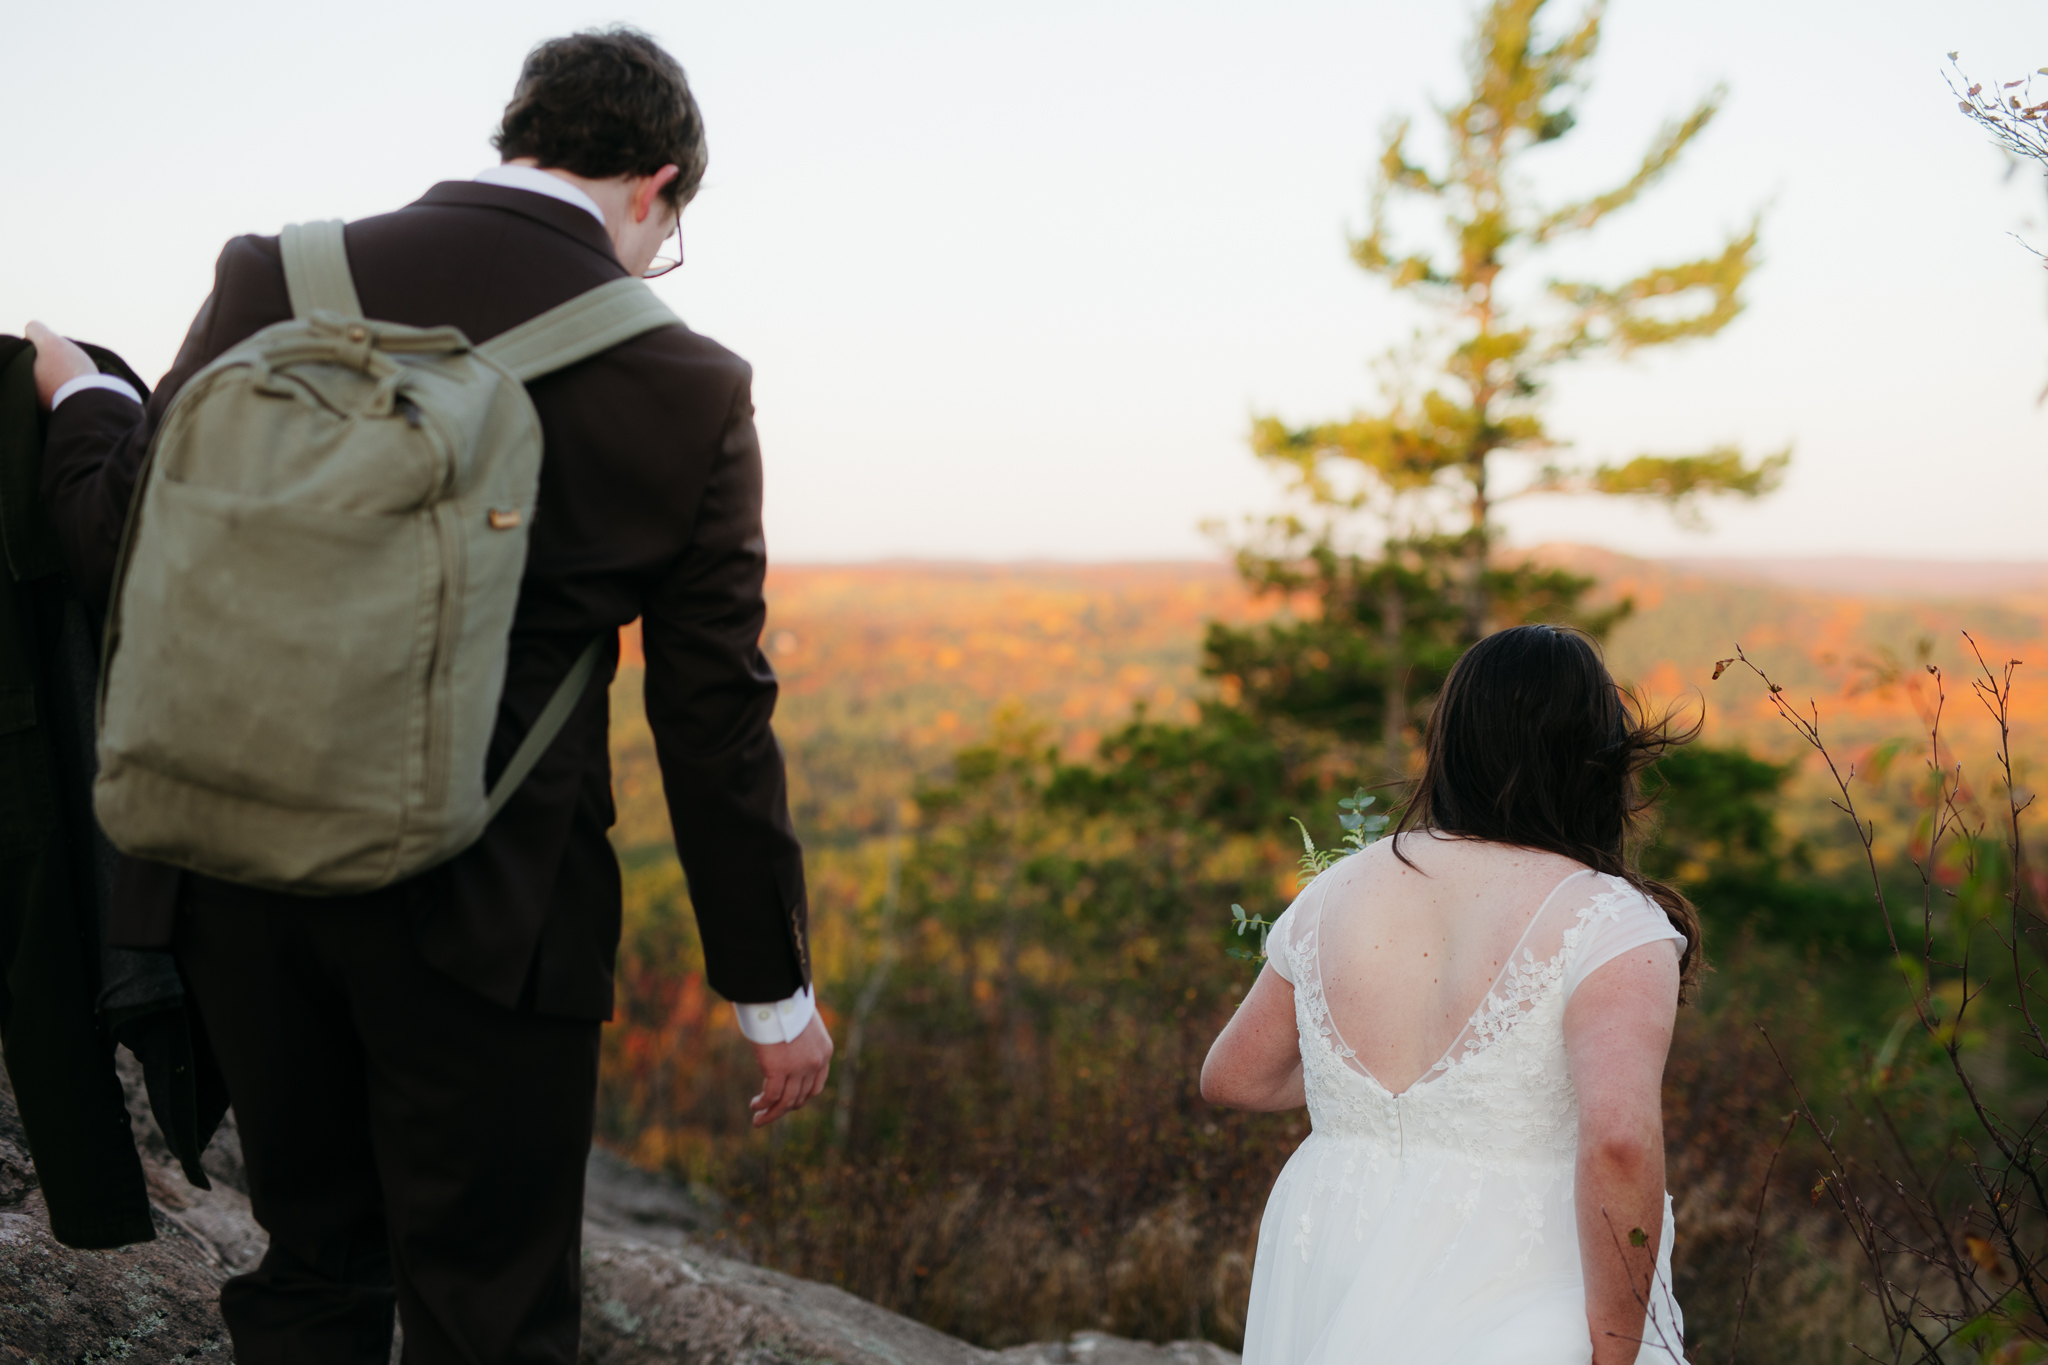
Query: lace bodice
[1502, 1092]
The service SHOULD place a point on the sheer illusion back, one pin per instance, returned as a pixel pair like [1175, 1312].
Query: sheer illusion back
[1430, 1215]
[1406, 957]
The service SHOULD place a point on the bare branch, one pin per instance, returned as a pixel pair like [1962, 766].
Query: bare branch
[1756, 1229]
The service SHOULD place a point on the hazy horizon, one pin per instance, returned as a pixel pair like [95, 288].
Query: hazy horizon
[1222, 558]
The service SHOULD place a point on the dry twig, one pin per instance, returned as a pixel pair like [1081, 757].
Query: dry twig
[1938, 1255]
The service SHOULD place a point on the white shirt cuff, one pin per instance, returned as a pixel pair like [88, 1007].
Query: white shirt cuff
[780, 1022]
[112, 383]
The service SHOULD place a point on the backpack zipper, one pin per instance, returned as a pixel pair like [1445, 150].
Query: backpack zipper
[440, 724]
[439, 729]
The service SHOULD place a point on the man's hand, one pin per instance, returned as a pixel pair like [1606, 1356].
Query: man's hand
[792, 1074]
[58, 362]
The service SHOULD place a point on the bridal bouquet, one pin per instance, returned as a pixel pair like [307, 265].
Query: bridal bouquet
[1359, 829]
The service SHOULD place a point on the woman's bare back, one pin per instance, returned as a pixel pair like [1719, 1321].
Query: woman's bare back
[1409, 953]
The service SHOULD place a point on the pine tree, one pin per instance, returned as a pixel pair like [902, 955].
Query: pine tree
[1385, 629]
[1304, 701]
[1425, 465]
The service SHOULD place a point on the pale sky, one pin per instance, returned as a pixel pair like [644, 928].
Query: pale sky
[1015, 278]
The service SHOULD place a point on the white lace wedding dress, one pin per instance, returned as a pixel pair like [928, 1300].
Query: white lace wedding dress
[1438, 1224]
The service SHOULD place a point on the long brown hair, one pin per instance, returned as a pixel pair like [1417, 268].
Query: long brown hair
[1532, 743]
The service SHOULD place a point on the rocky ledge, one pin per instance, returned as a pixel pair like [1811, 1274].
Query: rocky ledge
[652, 1290]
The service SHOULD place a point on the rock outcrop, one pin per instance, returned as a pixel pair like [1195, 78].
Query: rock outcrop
[653, 1291]
[153, 1302]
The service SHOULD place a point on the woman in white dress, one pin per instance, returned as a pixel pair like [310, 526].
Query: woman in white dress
[1476, 1012]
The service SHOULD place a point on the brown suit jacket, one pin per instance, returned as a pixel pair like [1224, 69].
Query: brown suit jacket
[650, 507]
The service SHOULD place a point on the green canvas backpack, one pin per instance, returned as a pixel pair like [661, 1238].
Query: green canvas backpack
[306, 644]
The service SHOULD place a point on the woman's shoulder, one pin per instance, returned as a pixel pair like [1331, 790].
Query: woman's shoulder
[1611, 894]
[1614, 914]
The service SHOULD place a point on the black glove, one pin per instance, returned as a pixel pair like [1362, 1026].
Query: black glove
[188, 1106]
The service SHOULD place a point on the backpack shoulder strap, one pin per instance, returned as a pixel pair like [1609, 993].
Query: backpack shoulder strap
[546, 726]
[316, 270]
[595, 320]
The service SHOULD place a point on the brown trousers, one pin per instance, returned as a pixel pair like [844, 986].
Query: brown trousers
[408, 1142]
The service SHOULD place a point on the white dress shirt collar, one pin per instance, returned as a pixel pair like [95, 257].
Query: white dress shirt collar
[540, 182]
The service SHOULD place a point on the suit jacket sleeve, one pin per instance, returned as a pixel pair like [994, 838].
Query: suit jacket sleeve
[710, 697]
[97, 441]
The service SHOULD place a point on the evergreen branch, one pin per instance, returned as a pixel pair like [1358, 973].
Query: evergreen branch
[1677, 481]
[1403, 273]
[1512, 78]
[1371, 252]
[1398, 172]
[1671, 140]
[1408, 449]
[1568, 54]
[1625, 316]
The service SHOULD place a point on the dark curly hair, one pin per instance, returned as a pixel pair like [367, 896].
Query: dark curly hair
[1532, 743]
[602, 103]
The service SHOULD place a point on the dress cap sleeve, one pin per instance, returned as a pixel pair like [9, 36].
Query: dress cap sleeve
[1621, 919]
[1277, 940]
[1300, 917]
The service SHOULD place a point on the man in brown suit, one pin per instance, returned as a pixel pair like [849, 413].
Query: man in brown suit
[413, 1071]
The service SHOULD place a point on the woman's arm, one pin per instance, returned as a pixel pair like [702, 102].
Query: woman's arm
[1617, 1030]
[1255, 1063]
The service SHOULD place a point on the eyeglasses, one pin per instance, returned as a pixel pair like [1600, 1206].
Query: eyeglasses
[663, 262]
